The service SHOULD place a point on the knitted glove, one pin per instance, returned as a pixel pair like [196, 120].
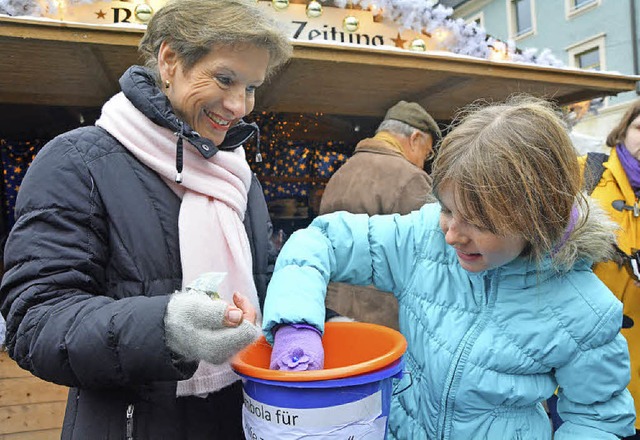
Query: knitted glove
[297, 347]
[195, 328]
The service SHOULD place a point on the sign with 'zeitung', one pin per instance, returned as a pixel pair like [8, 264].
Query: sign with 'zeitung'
[324, 24]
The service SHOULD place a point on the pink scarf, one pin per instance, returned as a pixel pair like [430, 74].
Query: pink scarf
[214, 201]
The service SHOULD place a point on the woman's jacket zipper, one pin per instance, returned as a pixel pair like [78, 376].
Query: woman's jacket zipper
[129, 426]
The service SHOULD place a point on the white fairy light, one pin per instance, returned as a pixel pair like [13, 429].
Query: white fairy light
[453, 34]
[33, 8]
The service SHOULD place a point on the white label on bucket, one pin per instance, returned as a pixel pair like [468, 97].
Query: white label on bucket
[356, 420]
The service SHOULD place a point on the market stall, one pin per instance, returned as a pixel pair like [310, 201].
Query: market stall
[333, 91]
[349, 65]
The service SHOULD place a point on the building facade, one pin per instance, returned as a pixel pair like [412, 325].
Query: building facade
[587, 34]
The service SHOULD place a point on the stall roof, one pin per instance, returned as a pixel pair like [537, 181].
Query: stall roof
[46, 62]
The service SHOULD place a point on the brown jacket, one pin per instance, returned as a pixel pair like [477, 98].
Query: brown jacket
[375, 180]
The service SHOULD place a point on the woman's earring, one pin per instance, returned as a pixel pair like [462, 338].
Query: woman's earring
[167, 84]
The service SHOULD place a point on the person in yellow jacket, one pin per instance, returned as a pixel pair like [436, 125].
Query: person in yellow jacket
[618, 192]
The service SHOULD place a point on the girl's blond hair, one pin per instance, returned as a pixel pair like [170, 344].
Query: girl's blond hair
[193, 28]
[513, 170]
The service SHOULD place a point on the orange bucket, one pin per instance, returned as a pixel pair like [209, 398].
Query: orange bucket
[351, 348]
[350, 398]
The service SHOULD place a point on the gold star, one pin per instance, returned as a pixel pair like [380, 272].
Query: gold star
[101, 14]
[399, 41]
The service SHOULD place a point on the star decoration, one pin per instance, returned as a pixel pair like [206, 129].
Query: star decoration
[399, 42]
[101, 14]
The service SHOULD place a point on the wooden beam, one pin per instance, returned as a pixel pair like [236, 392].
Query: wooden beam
[51, 30]
[467, 66]
[22, 418]
[439, 89]
[104, 77]
[9, 368]
[46, 434]
[27, 390]
[44, 68]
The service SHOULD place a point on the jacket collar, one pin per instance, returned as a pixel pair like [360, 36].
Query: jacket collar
[372, 145]
[614, 165]
[139, 86]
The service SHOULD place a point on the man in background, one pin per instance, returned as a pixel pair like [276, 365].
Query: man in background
[385, 175]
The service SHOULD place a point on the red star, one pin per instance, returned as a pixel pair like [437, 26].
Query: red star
[101, 14]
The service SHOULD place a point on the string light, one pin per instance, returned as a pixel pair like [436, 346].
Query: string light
[60, 7]
[287, 154]
[498, 51]
[441, 34]
[314, 9]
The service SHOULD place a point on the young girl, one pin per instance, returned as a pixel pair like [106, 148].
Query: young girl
[497, 299]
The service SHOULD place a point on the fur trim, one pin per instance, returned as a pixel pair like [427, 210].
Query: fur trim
[593, 238]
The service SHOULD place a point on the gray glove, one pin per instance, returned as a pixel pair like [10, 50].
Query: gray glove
[195, 329]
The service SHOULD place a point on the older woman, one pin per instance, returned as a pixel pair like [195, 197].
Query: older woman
[114, 221]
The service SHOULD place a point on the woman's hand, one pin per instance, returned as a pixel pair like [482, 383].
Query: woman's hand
[198, 327]
[243, 310]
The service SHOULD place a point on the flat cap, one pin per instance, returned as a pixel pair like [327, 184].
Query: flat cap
[413, 114]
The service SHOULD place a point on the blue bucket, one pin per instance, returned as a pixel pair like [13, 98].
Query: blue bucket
[350, 408]
[290, 405]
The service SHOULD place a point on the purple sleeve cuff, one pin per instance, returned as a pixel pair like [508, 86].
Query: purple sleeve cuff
[307, 326]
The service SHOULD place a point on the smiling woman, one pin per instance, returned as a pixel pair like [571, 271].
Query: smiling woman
[218, 90]
[162, 194]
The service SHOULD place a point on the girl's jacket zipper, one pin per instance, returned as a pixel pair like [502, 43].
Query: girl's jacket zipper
[460, 357]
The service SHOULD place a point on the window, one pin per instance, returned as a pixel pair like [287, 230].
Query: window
[478, 19]
[580, 3]
[522, 11]
[577, 7]
[589, 59]
[521, 14]
[588, 54]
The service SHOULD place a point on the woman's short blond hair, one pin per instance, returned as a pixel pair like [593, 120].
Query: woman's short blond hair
[513, 170]
[192, 28]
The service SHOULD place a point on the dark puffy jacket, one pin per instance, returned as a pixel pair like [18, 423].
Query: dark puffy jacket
[89, 266]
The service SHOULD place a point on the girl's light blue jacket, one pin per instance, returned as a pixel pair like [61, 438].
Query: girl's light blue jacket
[484, 348]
